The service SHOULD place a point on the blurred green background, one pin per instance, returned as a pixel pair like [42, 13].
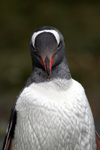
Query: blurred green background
[78, 21]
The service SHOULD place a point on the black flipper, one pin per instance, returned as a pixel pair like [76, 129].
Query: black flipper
[98, 141]
[10, 130]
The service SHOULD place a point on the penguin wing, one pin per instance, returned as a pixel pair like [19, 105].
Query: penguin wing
[10, 131]
[97, 140]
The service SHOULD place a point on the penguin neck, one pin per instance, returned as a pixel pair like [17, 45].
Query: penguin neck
[61, 71]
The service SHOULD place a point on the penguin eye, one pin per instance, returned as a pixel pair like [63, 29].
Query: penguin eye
[33, 47]
[59, 45]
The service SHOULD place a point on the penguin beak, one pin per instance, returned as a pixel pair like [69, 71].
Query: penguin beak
[47, 63]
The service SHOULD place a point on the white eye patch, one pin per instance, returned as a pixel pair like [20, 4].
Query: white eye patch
[55, 33]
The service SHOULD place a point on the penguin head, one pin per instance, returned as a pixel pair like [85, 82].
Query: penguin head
[47, 48]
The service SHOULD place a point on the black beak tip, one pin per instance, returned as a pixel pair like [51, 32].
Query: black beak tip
[47, 62]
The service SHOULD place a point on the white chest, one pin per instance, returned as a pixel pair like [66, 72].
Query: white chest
[49, 118]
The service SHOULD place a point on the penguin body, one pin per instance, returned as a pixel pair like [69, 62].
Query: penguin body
[52, 111]
[52, 116]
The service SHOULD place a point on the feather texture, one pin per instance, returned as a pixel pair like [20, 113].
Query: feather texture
[54, 116]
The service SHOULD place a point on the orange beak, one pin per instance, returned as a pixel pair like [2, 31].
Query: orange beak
[47, 64]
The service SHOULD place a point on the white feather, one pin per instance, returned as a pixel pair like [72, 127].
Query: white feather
[54, 115]
[55, 33]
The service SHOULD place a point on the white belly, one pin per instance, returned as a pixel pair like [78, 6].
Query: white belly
[53, 119]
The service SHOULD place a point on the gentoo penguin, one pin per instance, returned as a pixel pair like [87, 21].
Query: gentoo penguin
[52, 111]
